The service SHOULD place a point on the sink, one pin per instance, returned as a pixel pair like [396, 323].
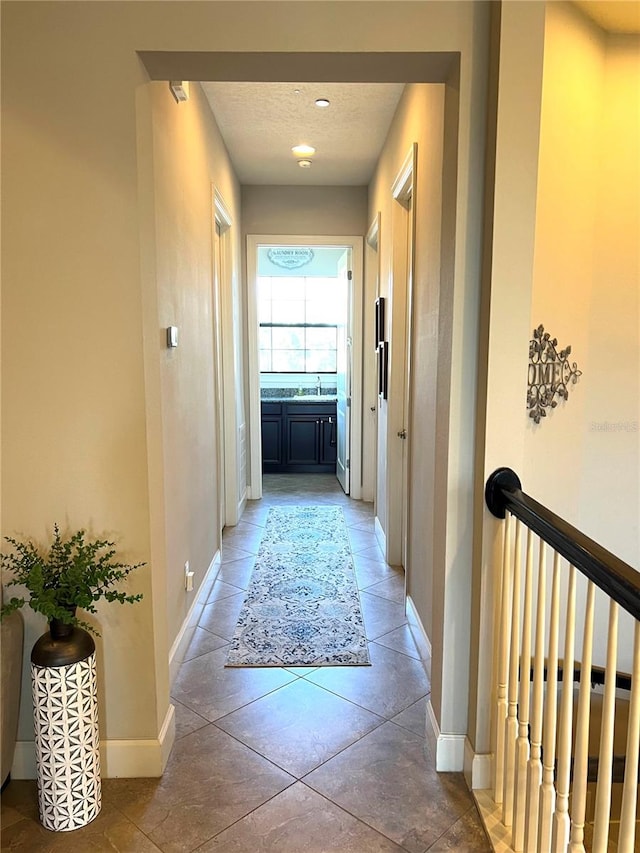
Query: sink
[315, 398]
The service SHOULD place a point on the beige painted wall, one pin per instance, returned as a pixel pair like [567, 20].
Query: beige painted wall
[563, 252]
[587, 279]
[74, 443]
[304, 210]
[189, 160]
[437, 579]
[83, 439]
[583, 460]
[613, 455]
[419, 118]
[510, 210]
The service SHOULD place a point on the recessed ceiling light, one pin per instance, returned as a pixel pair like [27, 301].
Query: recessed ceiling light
[322, 102]
[305, 164]
[303, 150]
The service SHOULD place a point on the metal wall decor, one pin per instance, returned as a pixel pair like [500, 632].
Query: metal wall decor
[550, 374]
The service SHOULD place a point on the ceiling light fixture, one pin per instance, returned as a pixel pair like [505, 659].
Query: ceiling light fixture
[305, 164]
[303, 150]
[322, 102]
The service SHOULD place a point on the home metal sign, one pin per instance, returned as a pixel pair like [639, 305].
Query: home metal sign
[550, 374]
[290, 257]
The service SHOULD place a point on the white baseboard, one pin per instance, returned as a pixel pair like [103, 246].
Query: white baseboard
[381, 537]
[478, 768]
[185, 634]
[118, 758]
[422, 641]
[447, 748]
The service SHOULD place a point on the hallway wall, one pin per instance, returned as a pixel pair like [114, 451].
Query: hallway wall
[583, 460]
[562, 250]
[304, 210]
[587, 278]
[419, 118]
[82, 428]
[74, 436]
[188, 159]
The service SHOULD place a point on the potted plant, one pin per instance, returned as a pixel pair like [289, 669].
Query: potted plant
[73, 572]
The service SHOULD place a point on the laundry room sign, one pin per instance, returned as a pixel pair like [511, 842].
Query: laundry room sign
[290, 257]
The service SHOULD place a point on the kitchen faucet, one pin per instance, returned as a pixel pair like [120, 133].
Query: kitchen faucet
[318, 387]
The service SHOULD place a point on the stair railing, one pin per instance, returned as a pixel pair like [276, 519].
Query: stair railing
[555, 794]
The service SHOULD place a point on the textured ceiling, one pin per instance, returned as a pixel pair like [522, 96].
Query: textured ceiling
[261, 122]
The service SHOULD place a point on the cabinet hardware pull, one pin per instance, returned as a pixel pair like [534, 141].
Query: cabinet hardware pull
[402, 433]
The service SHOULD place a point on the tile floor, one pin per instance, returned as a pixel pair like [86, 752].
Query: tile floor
[297, 760]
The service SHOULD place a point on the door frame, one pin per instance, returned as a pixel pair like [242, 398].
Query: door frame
[223, 307]
[355, 243]
[399, 403]
[371, 401]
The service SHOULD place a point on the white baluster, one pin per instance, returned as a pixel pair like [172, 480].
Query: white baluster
[547, 789]
[534, 767]
[626, 838]
[605, 758]
[581, 757]
[561, 823]
[503, 662]
[511, 723]
[522, 744]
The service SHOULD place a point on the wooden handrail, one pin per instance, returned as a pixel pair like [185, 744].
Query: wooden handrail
[612, 575]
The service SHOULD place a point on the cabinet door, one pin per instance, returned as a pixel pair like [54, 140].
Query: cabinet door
[302, 440]
[271, 440]
[328, 440]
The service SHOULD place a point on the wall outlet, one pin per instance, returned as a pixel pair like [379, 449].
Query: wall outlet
[188, 577]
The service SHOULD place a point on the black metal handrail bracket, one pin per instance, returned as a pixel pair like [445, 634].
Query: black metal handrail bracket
[503, 491]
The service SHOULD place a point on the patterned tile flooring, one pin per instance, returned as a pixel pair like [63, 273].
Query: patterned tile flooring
[284, 760]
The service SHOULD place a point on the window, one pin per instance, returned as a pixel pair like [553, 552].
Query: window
[298, 325]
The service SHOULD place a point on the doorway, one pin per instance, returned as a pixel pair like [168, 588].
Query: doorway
[306, 352]
[399, 445]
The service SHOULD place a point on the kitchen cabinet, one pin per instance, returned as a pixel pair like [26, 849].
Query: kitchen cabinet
[272, 434]
[298, 437]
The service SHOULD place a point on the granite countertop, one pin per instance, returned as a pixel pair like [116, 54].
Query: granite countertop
[305, 398]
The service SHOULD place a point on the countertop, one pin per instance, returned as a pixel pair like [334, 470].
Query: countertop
[306, 398]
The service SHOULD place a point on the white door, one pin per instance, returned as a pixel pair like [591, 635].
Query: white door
[343, 374]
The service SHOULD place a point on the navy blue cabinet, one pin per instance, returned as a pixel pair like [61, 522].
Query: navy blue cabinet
[298, 437]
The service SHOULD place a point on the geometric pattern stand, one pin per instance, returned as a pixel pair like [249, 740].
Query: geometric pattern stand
[67, 743]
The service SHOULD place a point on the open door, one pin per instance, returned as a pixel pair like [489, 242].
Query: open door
[343, 374]
[346, 259]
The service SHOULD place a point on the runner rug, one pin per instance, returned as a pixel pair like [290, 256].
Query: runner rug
[302, 606]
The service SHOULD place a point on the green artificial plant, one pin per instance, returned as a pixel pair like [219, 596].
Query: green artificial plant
[72, 573]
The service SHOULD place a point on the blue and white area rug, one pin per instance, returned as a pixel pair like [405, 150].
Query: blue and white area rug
[302, 607]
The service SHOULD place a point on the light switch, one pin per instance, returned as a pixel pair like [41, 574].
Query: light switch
[172, 336]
